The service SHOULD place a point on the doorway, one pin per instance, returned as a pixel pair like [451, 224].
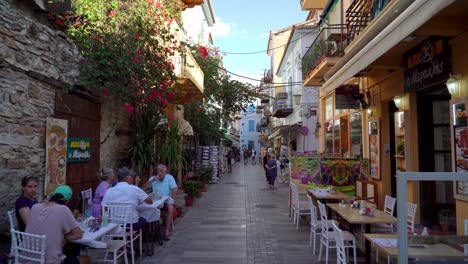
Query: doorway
[434, 152]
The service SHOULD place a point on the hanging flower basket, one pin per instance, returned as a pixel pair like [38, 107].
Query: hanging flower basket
[58, 7]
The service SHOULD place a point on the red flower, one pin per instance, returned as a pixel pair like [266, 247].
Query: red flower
[105, 91]
[59, 22]
[200, 108]
[129, 108]
[112, 13]
[203, 52]
[164, 101]
[129, 52]
[158, 5]
[138, 52]
[137, 60]
[150, 98]
[171, 116]
[170, 94]
[137, 36]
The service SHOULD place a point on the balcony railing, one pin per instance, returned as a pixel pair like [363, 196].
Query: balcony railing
[330, 42]
[282, 105]
[268, 77]
[360, 13]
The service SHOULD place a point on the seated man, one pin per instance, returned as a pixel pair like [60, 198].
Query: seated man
[165, 185]
[125, 192]
[55, 220]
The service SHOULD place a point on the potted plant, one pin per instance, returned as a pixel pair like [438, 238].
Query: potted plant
[191, 189]
[400, 148]
[58, 6]
[204, 175]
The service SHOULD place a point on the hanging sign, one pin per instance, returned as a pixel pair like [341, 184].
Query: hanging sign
[78, 149]
[426, 64]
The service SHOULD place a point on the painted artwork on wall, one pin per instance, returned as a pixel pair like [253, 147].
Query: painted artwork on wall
[56, 153]
[374, 148]
[460, 126]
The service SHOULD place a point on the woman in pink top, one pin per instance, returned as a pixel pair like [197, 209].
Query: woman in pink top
[107, 177]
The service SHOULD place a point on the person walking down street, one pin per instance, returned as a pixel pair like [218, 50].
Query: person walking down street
[229, 161]
[266, 157]
[253, 156]
[246, 156]
[272, 171]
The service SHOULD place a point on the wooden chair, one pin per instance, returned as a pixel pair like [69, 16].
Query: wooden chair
[340, 246]
[87, 200]
[298, 208]
[315, 224]
[116, 243]
[411, 216]
[367, 190]
[28, 247]
[328, 237]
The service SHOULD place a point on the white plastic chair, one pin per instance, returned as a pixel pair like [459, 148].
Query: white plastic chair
[28, 247]
[328, 237]
[466, 234]
[116, 243]
[298, 208]
[411, 216]
[12, 219]
[87, 199]
[315, 224]
[340, 246]
[131, 234]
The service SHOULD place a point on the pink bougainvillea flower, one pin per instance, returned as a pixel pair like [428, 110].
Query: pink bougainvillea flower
[158, 5]
[202, 51]
[112, 13]
[150, 98]
[138, 52]
[129, 108]
[200, 108]
[59, 22]
[129, 52]
[137, 36]
[137, 60]
[170, 94]
[105, 91]
[171, 116]
[164, 101]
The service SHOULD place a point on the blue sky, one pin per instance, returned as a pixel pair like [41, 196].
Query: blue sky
[244, 26]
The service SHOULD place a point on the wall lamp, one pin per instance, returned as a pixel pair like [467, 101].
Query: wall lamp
[401, 102]
[453, 84]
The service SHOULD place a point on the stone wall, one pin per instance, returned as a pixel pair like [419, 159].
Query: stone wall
[34, 60]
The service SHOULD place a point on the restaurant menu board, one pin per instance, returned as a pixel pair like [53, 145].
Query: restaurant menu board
[460, 125]
[374, 151]
[56, 153]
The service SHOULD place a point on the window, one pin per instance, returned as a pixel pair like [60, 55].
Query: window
[251, 125]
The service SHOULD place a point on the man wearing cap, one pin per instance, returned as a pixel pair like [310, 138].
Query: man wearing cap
[164, 184]
[125, 192]
[55, 220]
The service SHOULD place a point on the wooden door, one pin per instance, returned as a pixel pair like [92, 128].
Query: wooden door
[84, 117]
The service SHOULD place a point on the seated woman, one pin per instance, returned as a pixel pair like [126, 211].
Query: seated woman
[26, 200]
[107, 177]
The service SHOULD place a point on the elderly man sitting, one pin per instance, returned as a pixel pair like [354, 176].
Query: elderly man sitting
[165, 185]
[125, 192]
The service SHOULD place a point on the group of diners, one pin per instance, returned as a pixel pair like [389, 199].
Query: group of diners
[53, 218]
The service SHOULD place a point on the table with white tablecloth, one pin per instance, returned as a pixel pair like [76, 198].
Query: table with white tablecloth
[91, 238]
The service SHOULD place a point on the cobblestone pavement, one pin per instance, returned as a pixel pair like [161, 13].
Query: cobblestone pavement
[239, 220]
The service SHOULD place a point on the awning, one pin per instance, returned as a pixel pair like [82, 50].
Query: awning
[230, 138]
[282, 130]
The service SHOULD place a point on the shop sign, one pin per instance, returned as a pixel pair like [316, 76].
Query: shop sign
[78, 149]
[345, 97]
[426, 64]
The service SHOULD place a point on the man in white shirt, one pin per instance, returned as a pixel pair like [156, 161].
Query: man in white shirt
[165, 185]
[125, 192]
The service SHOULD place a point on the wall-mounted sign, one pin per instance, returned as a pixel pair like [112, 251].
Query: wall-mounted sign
[346, 97]
[428, 63]
[78, 149]
[281, 96]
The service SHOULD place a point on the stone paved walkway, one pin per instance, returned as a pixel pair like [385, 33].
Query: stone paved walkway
[239, 220]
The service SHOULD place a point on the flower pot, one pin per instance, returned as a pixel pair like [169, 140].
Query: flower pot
[59, 7]
[188, 200]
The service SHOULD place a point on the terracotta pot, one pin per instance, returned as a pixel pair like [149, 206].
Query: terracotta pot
[188, 200]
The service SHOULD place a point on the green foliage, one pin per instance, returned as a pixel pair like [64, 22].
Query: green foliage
[204, 174]
[191, 188]
[206, 123]
[169, 149]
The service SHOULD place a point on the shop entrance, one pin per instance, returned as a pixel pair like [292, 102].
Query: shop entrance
[436, 198]
[84, 117]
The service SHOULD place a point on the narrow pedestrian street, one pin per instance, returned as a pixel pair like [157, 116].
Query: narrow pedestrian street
[239, 220]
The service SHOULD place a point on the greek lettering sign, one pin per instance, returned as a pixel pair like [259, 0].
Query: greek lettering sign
[426, 64]
[78, 149]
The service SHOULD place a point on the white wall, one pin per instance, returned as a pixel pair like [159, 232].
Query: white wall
[195, 25]
[244, 133]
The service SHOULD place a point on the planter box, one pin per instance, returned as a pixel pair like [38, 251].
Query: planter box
[58, 8]
[188, 200]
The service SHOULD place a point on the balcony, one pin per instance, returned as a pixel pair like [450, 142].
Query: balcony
[189, 75]
[360, 13]
[313, 4]
[268, 77]
[324, 52]
[192, 3]
[282, 106]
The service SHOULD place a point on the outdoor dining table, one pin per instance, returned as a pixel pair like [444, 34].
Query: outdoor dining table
[321, 194]
[152, 214]
[91, 238]
[352, 216]
[387, 244]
